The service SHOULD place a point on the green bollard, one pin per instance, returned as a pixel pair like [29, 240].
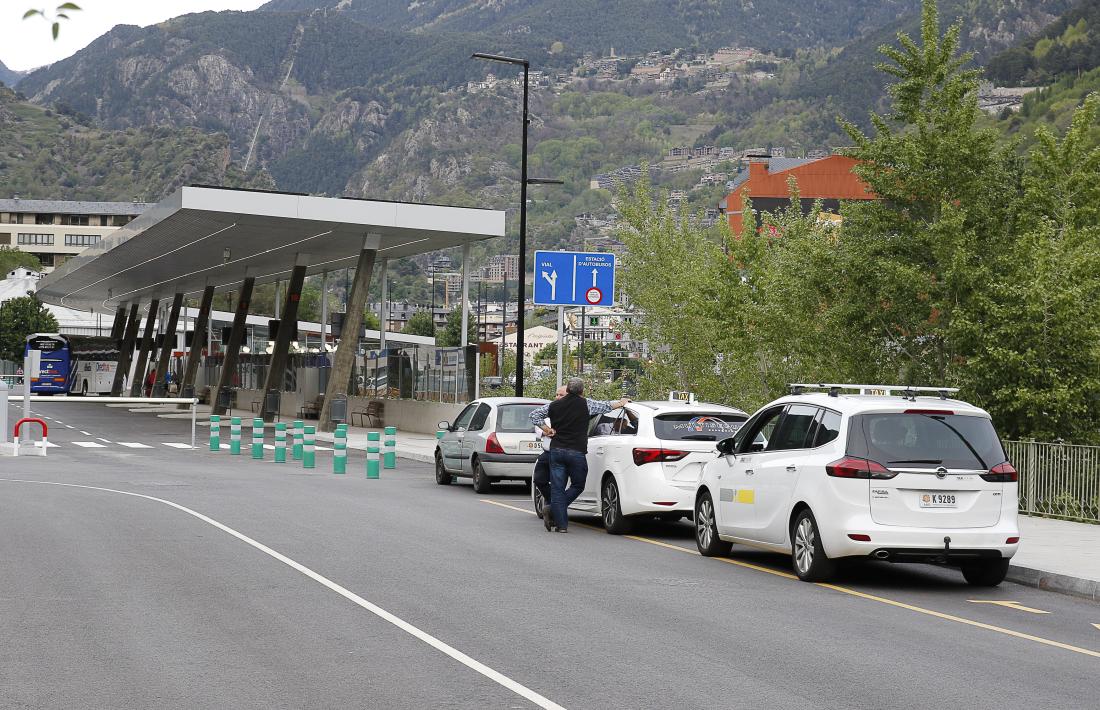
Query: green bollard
[372, 454]
[215, 433]
[235, 436]
[296, 451]
[258, 438]
[389, 447]
[340, 450]
[308, 451]
[280, 443]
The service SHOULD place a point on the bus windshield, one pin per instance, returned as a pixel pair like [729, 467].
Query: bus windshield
[53, 375]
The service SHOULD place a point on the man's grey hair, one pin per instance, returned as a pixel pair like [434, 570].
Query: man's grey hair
[575, 386]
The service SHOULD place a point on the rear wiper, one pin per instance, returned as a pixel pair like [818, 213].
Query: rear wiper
[698, 437]
[962, 439]
[917, 461]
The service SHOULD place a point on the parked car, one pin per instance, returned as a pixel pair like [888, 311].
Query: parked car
[490, 440]
[644, 460]
[885, 473]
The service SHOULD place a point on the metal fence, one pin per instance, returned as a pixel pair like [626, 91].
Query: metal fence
[1057, 480]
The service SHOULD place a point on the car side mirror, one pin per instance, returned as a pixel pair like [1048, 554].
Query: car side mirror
[725, 446]
[444, 425]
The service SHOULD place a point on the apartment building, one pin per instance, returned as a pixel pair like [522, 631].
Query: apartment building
[57, 230]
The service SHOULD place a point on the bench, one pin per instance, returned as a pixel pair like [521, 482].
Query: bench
[373, 412]
[312, 410]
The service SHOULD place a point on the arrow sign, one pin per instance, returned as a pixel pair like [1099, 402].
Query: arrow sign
[594, 272]
[552, 278]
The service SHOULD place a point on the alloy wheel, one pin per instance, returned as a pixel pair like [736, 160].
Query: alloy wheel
[704, 521]
[610, 503]
[804, 539]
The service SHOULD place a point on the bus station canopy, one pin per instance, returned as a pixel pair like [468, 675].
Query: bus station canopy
[218, 236]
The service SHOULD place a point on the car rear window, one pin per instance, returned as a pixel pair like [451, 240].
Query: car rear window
[948, 440]
[697, 426]
[516, 417]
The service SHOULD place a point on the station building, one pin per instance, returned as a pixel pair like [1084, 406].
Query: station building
[57, 230]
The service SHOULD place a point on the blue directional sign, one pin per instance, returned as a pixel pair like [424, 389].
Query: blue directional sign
[574, 278]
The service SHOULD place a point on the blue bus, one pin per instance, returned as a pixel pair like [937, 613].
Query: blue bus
[77, 364]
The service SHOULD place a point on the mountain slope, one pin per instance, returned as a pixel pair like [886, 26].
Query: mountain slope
[9, 77]
[1069, 45]
[629, 25]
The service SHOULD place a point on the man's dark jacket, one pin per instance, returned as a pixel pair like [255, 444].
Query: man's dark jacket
[569, 420]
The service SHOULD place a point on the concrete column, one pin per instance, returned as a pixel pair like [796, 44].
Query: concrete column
[384, 307]
[138, 382]
[118, 327]
[344, 357]
[465, 294]
[287, 325]
[159, 387]
[198, 340]
[125, 351]
[233, 347]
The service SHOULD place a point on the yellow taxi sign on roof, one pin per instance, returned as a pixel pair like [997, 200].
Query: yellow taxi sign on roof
[679, 396]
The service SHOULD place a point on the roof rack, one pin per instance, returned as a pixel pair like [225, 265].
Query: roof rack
[907, 391]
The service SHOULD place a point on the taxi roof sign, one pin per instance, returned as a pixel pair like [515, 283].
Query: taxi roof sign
[681, 396]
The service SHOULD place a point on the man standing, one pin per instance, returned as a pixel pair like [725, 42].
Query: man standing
[541, 477]
[568, 450]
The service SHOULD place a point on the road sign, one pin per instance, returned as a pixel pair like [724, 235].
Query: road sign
[574, 278]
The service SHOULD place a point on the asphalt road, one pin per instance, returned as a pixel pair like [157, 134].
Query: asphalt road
[227, 582]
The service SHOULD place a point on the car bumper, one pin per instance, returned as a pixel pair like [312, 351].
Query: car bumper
[648, 493]
[902, 544]
[512, 466]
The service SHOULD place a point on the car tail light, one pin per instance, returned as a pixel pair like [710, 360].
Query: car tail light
[59, 379]
[940, 412]
[1012, 540]
[859, 537]
[664, 502]
[644, 456]
[853, 467]
[492, 445]
[1001, 473]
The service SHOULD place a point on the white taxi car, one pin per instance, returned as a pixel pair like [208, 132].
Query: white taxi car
[490, 440]
[644, 460]
[883, 473]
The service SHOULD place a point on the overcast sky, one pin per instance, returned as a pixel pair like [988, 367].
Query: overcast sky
[27, 44]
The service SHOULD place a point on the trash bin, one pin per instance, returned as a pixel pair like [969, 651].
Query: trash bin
[225, 398]
[271, 404]
[340, 408]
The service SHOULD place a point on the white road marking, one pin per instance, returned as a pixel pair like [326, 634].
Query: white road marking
[99, 438]
[321, 448]
[176, 445]
[49, 445]
[85, 433]
[471, 663]
[69, 426]
[89, 445]
[134, 445]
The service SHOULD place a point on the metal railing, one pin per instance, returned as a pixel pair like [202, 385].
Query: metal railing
[1057, 480]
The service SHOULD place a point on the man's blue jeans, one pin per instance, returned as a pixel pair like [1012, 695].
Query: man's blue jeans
[571, 465]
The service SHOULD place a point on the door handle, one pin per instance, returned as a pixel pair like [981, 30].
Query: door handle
[599, 450]
[792, 469]
[748, 471]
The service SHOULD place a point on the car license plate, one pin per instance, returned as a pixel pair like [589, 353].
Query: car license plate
[939, 500]
[530, 445]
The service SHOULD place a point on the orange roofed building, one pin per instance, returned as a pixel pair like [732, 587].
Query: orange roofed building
[828, 179]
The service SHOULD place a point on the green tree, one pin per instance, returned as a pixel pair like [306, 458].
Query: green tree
[451, 334]
[11, 258]
[19, 317]
[420, 323]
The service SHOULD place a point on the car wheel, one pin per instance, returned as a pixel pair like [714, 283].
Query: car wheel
[706, 529]
[612, 509]
[538, 501]
[986, 573]
[441, 476]
[811, 564]
[482, 483]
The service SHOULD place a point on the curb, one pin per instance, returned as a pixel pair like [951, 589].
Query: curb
[1054, 582]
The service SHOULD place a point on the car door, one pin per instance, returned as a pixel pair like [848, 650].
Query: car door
[451, 444]
[473, 439]
[777, 469]
[736, 508]
[601, 435]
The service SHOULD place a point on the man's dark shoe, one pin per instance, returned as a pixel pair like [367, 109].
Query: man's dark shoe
[547, 518]
[561, 530]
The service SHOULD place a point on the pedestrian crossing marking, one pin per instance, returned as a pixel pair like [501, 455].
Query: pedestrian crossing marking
[134, 445]
[176, 445]
[89, 444]
[49, 445]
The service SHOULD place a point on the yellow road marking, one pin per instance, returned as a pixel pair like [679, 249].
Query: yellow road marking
[854, 593]
[1008, 604]
[1097, 626]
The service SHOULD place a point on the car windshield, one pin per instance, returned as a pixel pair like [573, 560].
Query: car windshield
[515, 417]
[697, 426]
[928, 440]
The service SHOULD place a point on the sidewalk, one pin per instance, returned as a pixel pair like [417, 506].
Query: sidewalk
[1054, 555]
[1059, 556]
